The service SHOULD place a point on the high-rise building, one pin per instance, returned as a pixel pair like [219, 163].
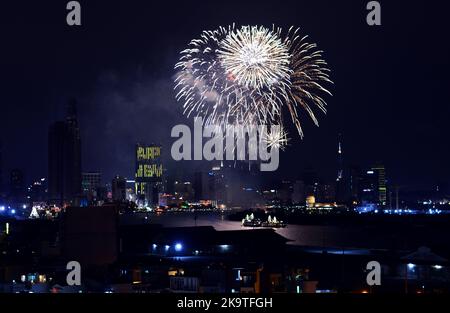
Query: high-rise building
[380, 173]
[1, 170]
[218, 183]
[130, 193]
[311, 181]
[184, 190]
[285, 191]
[355, 181]
[64, 159]
[368, 192]
[148, 174]
[369, 185]
[90, 183]
[17, 186]
[198, 186]
[327, 193]
[119, 189]
[298, 192]
[38, 191]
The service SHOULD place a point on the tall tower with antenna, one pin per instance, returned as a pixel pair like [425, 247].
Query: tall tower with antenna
[340, 171]
[340, 184]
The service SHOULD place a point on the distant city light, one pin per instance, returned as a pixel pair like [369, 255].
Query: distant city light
[2, 208]
[438, 267]
[178, 247]
[166, 247]
[411, 266]
[13, 211]
[154, 246]
[24, 206]
[239, 277]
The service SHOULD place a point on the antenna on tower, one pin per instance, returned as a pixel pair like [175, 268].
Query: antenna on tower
[340, 172]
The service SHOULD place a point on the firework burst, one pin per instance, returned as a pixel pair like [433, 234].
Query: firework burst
[247, 76]
[276, 138]
[256, 58]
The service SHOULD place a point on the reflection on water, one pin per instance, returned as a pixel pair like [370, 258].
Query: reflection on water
[349, 236]
[298, 234]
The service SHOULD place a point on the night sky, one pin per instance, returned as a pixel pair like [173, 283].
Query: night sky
[391, 95]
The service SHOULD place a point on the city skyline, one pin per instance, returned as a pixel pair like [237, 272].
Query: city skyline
[127, 98]
[235, 150]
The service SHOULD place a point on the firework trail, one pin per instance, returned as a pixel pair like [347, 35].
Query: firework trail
[246, 75]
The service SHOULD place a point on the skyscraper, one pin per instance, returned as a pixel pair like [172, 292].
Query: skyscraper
[380, 172]
[64, 159]
[368, 192]
[298, 193]
[17, 186]
[38, 190]
[1, 171]
[373, 185]
[119, 189]
[148, 174]
[355, 181]
[90, 182]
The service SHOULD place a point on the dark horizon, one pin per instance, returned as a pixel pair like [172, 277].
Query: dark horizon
[390, 94]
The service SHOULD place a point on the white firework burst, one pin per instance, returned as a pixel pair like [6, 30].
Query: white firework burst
[247, 75]
[309, 74]
[255, 57]
[276, 137]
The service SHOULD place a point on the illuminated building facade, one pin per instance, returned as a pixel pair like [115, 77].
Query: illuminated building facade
[368, 187]
[148, 174]
[380, 172]
[372, 185]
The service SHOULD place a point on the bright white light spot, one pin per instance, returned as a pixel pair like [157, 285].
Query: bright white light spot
[178, 247]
